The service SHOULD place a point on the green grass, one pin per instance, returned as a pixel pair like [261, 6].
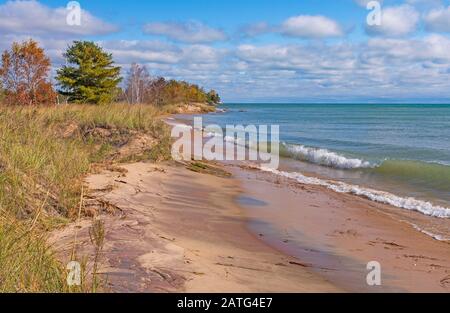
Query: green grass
[26, 262]
[44, 155]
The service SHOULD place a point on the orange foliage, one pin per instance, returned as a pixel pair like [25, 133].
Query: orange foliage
[24, 75]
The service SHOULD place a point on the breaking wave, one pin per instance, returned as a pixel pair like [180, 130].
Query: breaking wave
[322, 157]
[412, 204]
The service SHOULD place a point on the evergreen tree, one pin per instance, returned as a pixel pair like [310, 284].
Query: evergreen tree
[90, 75]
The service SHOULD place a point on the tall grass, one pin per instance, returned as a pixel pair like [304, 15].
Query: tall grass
[44, 155]
[26, 262]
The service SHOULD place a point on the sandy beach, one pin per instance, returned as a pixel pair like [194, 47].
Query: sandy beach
[187, 147]
[182, 231]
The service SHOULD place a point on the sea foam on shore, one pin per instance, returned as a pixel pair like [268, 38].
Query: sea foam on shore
[412, 204]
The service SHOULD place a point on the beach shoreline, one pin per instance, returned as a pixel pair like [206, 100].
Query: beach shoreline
[188, 227]
[404, 264]
[337, 235]
[183, 231]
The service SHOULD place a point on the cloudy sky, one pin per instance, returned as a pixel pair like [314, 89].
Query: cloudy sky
[260, 50]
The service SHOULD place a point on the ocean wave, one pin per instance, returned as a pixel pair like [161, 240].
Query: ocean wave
[322, 157]
[430, 174]
[432, 235]
[412, 204]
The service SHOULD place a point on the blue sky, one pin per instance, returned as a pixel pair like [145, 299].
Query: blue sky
[260, 50]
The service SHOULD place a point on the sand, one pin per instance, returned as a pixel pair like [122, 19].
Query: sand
[182, 231]
[337, 235]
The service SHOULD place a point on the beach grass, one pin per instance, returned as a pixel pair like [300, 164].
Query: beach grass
[45, 153]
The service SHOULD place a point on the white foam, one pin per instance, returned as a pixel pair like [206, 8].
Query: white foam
[325, 157]
[412, 204]
[434, 236]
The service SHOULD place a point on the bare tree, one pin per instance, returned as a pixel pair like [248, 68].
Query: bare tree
[137, 84]
[156, 91]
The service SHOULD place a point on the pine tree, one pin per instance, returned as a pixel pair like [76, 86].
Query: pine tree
[90, 75]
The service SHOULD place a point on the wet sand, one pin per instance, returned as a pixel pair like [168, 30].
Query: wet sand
[336, 235]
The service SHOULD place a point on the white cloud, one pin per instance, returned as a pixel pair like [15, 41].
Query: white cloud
[34, 18]
[438, 20]
[190, 32]
[130, 51]
[156, 52]
[383, 66]
[307, 26]
[202, 54]
[396, 21]
[363, 3]
[431, 49]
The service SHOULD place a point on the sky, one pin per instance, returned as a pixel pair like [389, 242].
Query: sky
[260, 50]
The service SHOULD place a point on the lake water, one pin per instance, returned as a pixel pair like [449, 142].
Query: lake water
[397, 154]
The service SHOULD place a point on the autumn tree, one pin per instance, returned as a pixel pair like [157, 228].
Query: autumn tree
[176, 92]
[24, 75]
[90, 75]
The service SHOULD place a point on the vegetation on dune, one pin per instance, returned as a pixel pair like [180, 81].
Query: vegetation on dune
[27, 263]
[45, 153]
[47, 149]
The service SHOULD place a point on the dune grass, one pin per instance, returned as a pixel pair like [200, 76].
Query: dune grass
[26, 262]
[44, 155]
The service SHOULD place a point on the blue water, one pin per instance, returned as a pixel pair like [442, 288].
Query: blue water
[400, 147]
[370, 131]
